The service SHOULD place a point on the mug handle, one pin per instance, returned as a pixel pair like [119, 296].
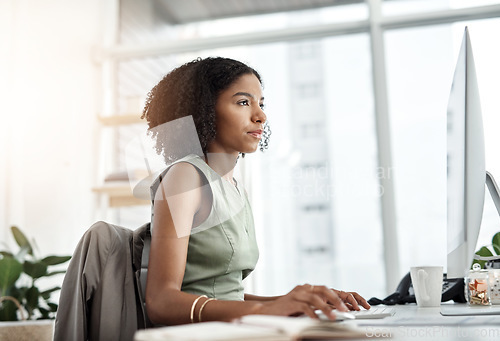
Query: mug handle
[422, 276]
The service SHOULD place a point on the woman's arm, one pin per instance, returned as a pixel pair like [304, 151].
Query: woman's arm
[177, 201]
[249, 297]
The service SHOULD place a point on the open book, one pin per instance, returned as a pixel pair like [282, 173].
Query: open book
[255, 327]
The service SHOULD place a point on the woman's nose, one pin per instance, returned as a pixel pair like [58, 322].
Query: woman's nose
[260, 116]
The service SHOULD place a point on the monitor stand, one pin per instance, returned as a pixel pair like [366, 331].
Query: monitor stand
[468, 310]
[494, 191]
[493, 261]
[472, 310]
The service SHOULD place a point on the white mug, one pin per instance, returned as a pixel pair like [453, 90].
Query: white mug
[428, 285]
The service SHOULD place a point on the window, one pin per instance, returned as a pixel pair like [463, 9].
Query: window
[316, 192]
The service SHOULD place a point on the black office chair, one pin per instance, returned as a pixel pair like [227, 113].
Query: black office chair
[142, 246]
[103, 293]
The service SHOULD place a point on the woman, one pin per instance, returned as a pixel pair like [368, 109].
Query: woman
[203, 241]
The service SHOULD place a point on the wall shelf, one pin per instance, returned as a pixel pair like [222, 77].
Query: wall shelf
[120, 195]
[115, 120]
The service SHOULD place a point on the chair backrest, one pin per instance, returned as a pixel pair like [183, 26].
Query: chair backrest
[141, 247]
[102, 297]
[145, 261]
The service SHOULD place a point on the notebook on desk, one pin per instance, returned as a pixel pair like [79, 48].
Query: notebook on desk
[469, 310]
[253, 328]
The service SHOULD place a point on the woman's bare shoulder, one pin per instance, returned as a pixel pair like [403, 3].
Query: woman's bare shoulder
[180, 178]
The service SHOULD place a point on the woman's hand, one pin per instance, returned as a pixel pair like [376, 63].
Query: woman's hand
[352, 299]
[304, 299]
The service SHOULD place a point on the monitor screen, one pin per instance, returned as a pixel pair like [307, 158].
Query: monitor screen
[465, 164]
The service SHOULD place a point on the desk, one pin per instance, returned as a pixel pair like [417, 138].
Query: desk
[408, 323]
[412, 323]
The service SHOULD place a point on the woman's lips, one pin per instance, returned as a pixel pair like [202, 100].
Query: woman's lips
[257, 133]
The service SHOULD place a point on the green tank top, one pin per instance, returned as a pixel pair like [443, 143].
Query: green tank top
[222, 250]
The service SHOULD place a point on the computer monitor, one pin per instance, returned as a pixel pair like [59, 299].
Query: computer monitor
[465, 164]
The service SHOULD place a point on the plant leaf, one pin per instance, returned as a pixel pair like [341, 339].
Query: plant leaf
[55, 273]
[46, 294]
[483, 252]
[32, 296]
[496, 243]
[35, 270]
[10, 270]
[45, 314]
[8, 311]
[54, 260]
[6, 254]
[21, 239]
[53, 306]
[19, 292]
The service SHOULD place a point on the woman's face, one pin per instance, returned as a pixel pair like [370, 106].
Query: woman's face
[239, 117]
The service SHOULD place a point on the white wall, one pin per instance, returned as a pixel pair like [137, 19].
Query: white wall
[48, 128]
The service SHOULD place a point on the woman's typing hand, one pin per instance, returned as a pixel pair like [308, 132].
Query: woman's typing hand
[305, 299]
[352, 299]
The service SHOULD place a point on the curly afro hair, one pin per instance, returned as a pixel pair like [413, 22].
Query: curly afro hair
[192, 89]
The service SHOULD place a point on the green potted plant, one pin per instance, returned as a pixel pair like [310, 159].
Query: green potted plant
[21, 298]
[488, 250]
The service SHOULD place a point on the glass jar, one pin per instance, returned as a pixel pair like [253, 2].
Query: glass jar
[477, 287]
[494, 284]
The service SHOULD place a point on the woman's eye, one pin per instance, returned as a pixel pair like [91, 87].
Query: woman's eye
[262, 106]
[244, 102]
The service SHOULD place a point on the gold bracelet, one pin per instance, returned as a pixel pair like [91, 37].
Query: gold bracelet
[194, 305]
[203, 306]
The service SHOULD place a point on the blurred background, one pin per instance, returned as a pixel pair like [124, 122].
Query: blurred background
[351, 192]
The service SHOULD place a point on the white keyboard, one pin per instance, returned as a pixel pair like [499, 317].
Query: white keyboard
[373, 313]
